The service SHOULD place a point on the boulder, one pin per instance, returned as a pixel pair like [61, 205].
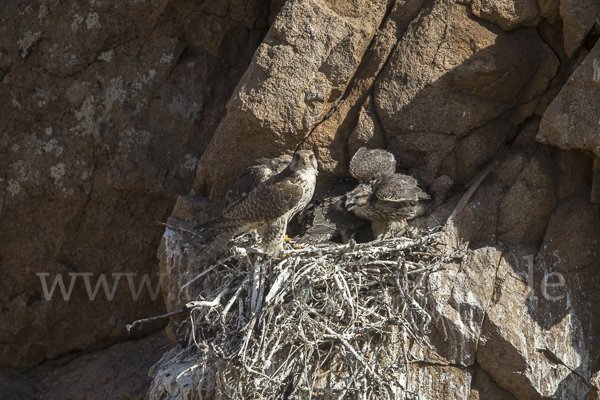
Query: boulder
[330, 138]
[524, 212]
[483, 387]
[569, 254]
[507, 14]
[368, 131]
[302, 67]
[450, 74]
[549, 9]
[461, 293]
[531, 359]
[570, 121]
[578, 16]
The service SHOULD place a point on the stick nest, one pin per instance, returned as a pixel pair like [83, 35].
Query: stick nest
[326, 322]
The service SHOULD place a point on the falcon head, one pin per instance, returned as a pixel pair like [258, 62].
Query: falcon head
[304, 161]
[359, 197]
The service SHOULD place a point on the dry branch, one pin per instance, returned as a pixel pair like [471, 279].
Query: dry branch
[318, 323]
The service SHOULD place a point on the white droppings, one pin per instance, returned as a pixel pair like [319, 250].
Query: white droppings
[16, 103]
[48, 131]
[77, 20]
[166, 58]
[13, 187]
[190, 162]
[107, 55]
[15, 148]
[85, 175]
[28, 40]
[93, 21]
[57, 171]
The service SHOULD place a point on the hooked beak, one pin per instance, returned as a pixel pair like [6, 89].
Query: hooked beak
[350, 205]
[305, 160]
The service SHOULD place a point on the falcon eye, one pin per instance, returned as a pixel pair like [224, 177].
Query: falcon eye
[311, 156]
[357, 198]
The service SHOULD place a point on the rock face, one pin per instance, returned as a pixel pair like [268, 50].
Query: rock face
[302, 67]
[117, 372]
[574, 112]
[507, 14]
[368, 131]
[578, 18]
[107, 108]
[449, 88]
[450, 74]
[526, 355]
[117, 115]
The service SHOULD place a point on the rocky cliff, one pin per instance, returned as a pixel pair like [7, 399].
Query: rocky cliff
[117, 115]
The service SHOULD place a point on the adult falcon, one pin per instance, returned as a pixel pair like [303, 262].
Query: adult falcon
[268, 207]
[388, 202]
[261, 170]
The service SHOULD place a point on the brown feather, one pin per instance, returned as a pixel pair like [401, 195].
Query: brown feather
[270, 205]
[369, 165]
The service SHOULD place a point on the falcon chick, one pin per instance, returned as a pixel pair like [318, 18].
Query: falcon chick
[388, 203]
[369, 165]
[326, 216]
[269, 206]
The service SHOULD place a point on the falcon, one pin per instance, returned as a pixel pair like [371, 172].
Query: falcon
[369, 165]
[268, 207]
[388, 203]
[261, 170]
[326, 216]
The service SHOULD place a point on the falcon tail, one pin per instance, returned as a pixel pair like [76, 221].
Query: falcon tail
[220, 241]
[217, 223]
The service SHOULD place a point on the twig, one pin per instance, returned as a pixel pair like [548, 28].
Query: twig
[141, 321]
[175, 228]
[324, 313]
[213, 303]
[467, 196]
